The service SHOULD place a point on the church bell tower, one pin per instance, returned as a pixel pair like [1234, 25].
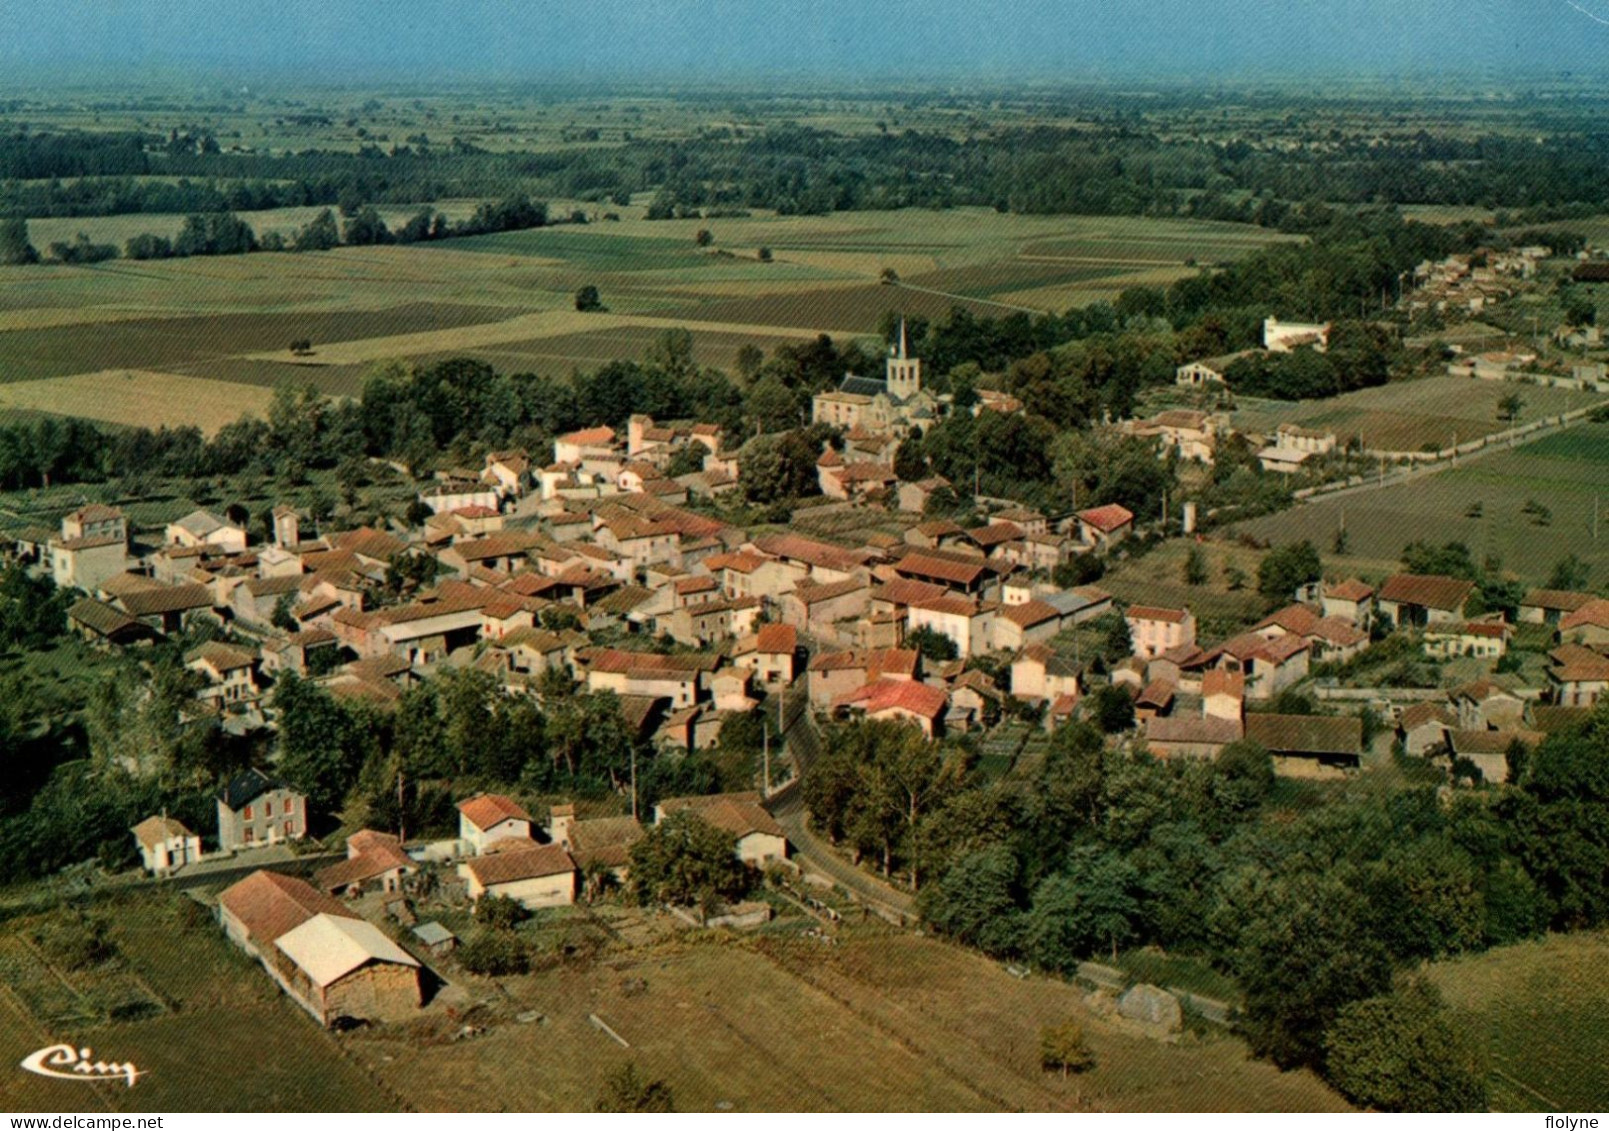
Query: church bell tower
[904, 371]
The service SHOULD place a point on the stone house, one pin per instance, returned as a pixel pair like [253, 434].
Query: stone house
[255, 809]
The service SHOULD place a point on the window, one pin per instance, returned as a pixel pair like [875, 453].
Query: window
[248, 837]
[289, 832]
[247, 813]
[268, 808]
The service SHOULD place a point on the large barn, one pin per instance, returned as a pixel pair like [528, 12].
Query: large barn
[332, 963]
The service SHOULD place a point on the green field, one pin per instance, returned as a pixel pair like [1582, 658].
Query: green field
[231, 318]
[1409, 416]
[1565, 473]
[1543, 1010]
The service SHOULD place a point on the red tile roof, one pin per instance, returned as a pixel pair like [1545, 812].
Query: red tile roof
[1220, 682]
[600, 435]
[521, 864]
[925, 564]
[1158, 693]
[777, 638]
[1431, 591]
[1349, 590]
[1299, 619]
[898, 694]
[1108, 518]
[1030, 613]
[1594, 614]
[487, 809]
[1562, 600]
[269, 905]
[906, 590]
[811, 552]
[1157, 613]
[814, 594]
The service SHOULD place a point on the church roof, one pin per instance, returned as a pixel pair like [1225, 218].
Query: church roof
[863, 386]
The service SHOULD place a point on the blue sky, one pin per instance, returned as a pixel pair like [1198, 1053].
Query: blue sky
[740, 39]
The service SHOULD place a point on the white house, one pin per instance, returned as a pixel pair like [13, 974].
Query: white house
[760, 840]
[1155, 630]
[489, 817]
[165, 844]
[543, 875]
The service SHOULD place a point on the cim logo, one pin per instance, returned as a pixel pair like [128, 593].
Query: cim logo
[64, 1062]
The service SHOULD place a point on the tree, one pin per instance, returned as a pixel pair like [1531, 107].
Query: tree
[1508, 409]
[1304, 953]
[932, 644]
[1286, 569]
[587, 298]
[749, 359]
[1569, 572]
[1117, 643]
[1402, 1052]
[1195, 567]
[322, 743]
[627, 1090]
[15, 249]
[319, 234]
[366, 228]
[685, 860]
[975, 901]
[888, 277]
[1579, 307]
[1063, 1048]
[33, 611]
[764, 255]
[1234, 577]
[281, 617]
[703, 238]
[1114, 708]
[909, 463]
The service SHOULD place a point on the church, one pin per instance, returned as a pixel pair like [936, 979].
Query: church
[893, 403]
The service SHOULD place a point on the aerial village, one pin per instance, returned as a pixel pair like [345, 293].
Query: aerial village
[590, 562]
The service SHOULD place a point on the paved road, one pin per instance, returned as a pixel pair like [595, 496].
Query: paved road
[805, 746]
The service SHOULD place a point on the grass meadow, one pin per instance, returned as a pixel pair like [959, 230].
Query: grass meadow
[1542, 1009]
[1563, 473]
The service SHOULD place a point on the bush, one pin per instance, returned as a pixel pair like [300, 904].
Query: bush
[495, 954]
[501, 913]
[626, 1090]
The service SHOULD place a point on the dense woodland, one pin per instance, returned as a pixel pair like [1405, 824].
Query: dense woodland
[1313, 898]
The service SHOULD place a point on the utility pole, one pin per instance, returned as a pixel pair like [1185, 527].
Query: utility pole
[402, 819]
[765, 753]
[634, 781]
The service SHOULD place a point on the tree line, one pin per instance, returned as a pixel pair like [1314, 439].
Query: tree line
[1314, 898]
[1112, 168]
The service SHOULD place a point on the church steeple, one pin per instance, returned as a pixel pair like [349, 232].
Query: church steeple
[904, 371]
